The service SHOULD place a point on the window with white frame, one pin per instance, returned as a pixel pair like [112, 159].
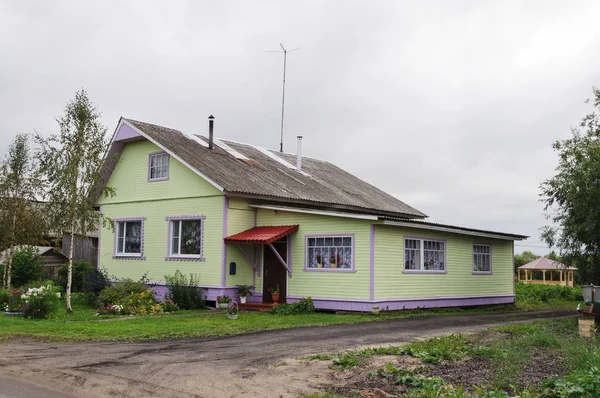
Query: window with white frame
[185, 238]
[482, 258]
[158, 166]
[329, 252]
[424, 255]
[129, 238]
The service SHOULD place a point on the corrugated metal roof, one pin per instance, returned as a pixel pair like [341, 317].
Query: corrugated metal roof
[544, 263]
[262, 235]
[323, 184]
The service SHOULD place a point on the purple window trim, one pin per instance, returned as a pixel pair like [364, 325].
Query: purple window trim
[150, 166]
[341, 235]
[136, 256]
[171, 257]
[372, 264]
[422, 271]
[472, 252]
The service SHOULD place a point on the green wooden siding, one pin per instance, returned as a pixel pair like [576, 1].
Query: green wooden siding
[130, 178]
[240, 218]
[324, 284]
[184, 193]
[391, 282]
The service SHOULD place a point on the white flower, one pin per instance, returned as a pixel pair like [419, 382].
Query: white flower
[58, 294]
[23, 297]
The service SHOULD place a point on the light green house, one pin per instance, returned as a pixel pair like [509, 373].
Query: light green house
[240, 214]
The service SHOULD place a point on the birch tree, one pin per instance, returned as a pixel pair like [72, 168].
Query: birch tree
[73, 167]
[21, 217]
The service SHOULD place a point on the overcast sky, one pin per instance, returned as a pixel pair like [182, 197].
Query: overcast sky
[451, 106]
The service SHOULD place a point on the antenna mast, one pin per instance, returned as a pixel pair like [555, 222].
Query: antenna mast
[285, 52]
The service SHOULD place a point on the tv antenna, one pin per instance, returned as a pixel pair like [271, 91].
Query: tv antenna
[285, 52]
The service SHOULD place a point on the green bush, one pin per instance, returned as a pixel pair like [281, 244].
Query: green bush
[304, 306]
[116, 293]
[11, 300]
[40, 301]
[81, 269]
[535, 293]
[185, 291]
[26, 266]
[94, 283]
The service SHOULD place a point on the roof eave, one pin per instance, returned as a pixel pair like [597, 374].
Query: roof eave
[322, 205]
[455, 229]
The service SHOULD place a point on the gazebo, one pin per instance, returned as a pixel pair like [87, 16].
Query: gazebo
[543, 265]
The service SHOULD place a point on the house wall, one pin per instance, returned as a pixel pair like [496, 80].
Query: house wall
[324, 284]
[184, 193]
[459, 281]
[240, 217]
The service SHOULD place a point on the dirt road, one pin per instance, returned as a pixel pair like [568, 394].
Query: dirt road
[254, 365]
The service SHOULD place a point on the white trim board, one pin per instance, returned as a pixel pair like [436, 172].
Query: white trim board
[451, 230]
[316, 212]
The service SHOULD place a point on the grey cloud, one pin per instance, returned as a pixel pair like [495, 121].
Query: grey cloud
[452, 106]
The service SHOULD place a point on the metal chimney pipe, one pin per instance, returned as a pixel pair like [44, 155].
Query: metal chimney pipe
[299, 154]
[211, 123]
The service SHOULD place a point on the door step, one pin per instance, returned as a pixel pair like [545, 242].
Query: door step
[258, 306]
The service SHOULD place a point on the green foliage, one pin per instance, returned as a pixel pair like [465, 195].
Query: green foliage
[304, 306]
[73, 166]
[572, 196]
[94, 283]
[40, 301]
[21, 216]
[435, 350]
[27, 266]
[185, 291]
[116, 293]
[535, 293]
[142, 303]
[410, 378]
[81, 269]
[245, 290]
[10, 300]
[524, 258]
[575, 385]
[169, 306]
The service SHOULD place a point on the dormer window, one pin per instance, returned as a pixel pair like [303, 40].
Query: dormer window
[158, 166]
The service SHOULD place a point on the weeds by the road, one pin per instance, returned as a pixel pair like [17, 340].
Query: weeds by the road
[541, 360]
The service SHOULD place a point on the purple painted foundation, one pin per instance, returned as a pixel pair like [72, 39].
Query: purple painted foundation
[209, 293]
[401, 304]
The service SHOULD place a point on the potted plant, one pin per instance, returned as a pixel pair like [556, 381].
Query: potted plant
[244, 291]
[274, 293]
[233, 310]
[223, 301]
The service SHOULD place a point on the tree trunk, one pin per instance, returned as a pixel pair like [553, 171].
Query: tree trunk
[11, 252]
[70, 271]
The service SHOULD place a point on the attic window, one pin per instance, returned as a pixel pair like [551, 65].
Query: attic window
[158, 166]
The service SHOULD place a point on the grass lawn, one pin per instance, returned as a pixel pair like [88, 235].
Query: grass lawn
[83, 324]
[540, 360]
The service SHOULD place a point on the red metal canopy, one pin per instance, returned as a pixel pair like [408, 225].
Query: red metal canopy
[262, 235]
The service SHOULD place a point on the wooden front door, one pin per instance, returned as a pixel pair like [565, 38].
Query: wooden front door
[274, 272]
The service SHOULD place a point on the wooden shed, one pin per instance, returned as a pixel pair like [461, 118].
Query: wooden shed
[51, 258]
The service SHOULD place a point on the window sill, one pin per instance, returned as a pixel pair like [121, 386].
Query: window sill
[329, 270]
[183, 258]
[408, 271]
[129, 257]
[158, 179]
[481, 272]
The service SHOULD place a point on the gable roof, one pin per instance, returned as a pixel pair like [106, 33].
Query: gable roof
[40, 249]
[250, 171]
